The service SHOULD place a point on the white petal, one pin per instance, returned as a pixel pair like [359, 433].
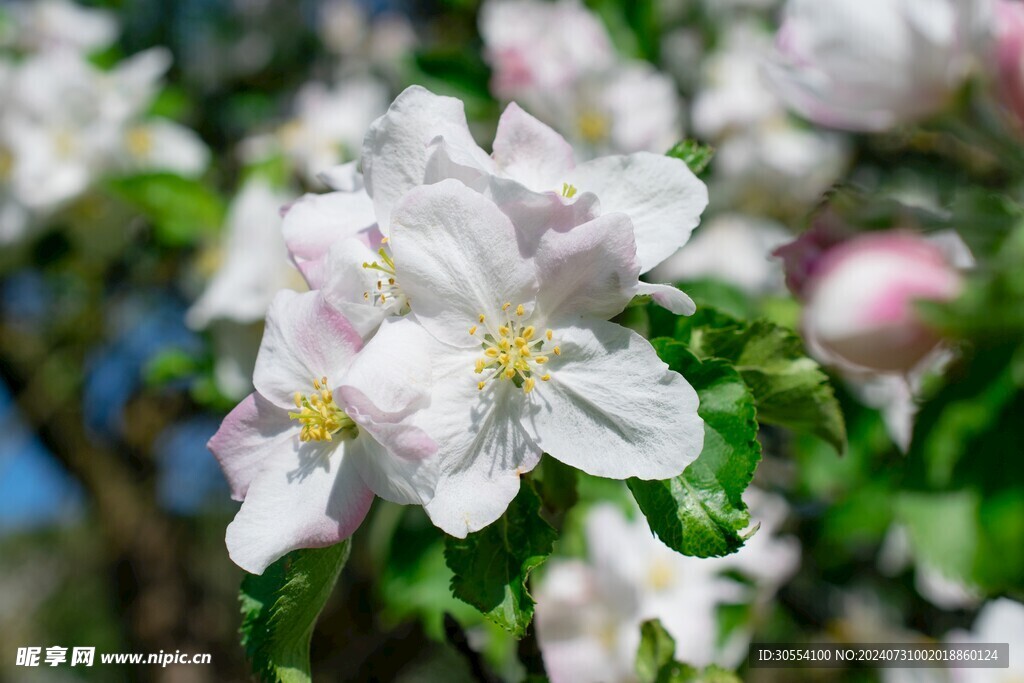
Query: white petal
[668, 297]
[591, 270]
[316, 222]
[351, 288]
[394, 478]
[662, 197]
[343, 177]
[530, 152]
[309, 498]
[457, 257]
[612, 408]
[305, 339]
[400, 352]
[167, 146]
[254, 432]
[395, 149]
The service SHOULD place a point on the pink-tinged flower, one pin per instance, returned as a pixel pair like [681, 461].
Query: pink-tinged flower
[339, 240]
[870, 65]
[589, 610]
[860, 301]
[302, 452]
[1009, 55]
[542, 46]
[520, 355]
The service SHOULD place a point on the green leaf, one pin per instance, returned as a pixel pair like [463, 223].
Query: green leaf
[701, 512]
[657, 650]
[280, 609]
[556, 484]
[655, 660]
[791, 389]
[492, 566]
[696, 155]
[181, 210]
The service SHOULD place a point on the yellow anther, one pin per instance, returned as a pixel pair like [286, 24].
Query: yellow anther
[541, 360]
[480, 385]
[503, 358]
[520, 341]
[520, 310]
[545, 377]
[568, 191]
[503, 344]
[549, 334]
[528, 385]
[472, 330]
[528, 333]
[491, 352]
[481, 317]
[383, 240]
[298, 399]
[479, 365]
[513, 351]
[510, 373]
[503, 331]
[319, 415]
[391, 281]
[557, 350]
[507, 305]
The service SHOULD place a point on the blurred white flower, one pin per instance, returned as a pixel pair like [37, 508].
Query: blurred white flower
[589, 611]
[327, 127]
[762, 155]
[943, 591]
[870, 65]
[347, 30]
[999, 621]
[59, 24]
[734, 248]
[558, 62]
[252, 267]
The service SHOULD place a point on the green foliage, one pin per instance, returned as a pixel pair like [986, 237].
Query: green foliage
[181, 210]
[493, 565]
[556, 484]
[790, 389]
[655, 661]
[696, 155]
[280, 609]
[701, 512]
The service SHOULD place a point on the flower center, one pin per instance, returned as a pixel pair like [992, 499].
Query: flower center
[660, 575]
[593, 126]
[568, 191]
[388, 291]
[139, 142]
[320, 416]
[514, 353]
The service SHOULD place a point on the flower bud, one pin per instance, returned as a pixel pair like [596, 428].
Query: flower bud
[860, 303]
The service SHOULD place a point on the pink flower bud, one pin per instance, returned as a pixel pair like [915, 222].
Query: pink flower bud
[860, 302]
[1009, 55]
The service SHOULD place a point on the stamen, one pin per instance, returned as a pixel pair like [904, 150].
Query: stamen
[513, 352]
[320, 416]
[472, 330]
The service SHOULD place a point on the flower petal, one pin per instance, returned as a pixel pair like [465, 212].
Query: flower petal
[351, 288]
[457, 258]
[668, 297]
[530, 152]
[591, 270]
[343, 177]
[612, 408]
[310, 501]
[393, 372]
[662, 197]
[395, 149]
[317, 221]
[394, 478]
[305, 339]
[255, 431]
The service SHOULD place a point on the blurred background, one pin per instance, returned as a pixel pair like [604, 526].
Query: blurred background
[146, 148]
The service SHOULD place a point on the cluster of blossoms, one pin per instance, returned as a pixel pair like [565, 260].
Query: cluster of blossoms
[589, 610]
[457, 327]
[599, 101]
[64, 123]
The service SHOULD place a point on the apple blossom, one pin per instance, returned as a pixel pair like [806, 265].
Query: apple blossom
[999, 621]
[520, 356]
[589, 611]
[860, 301]
[60, 24]
[872, 65]
[301, 452]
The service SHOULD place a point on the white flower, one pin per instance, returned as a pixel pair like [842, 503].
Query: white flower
[999, 621]
[870, 65]
[302, 451]
[557, 60]
[734, 248]
[40, 25]
[589, 611]
[520, 355]
[254, 266]
[328, 125]
[162, 145]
